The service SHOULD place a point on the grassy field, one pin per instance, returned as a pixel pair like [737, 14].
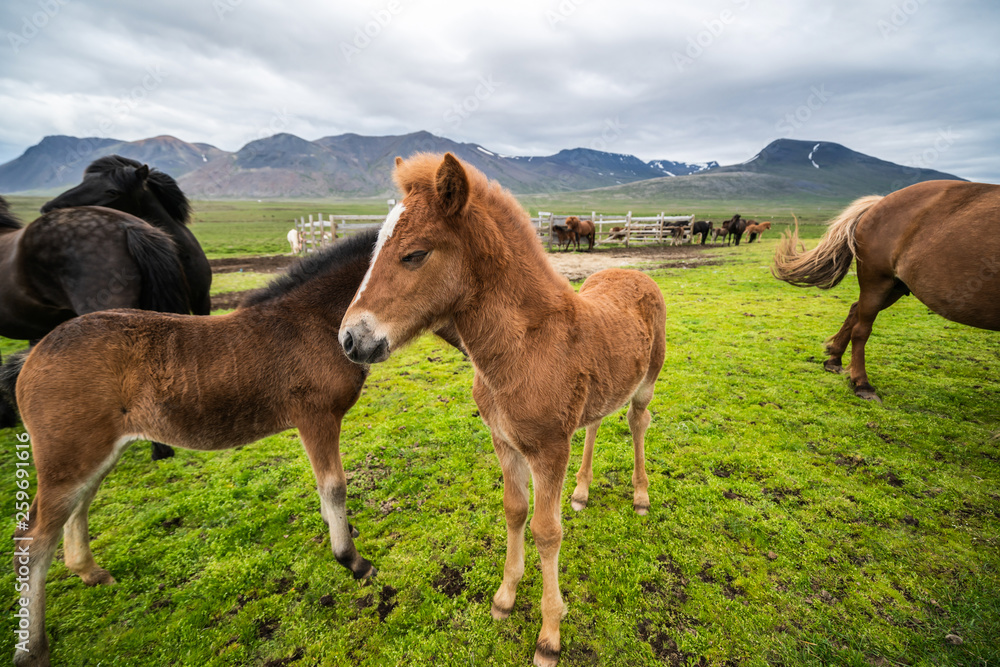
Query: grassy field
[791, 523]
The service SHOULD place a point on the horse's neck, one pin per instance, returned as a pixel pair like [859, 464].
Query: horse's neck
[520, 294]
[152, 211]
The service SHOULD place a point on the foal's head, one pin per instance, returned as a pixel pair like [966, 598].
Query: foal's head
[419, 271]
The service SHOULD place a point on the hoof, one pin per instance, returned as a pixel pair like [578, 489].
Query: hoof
[366, 571]
[867, 394]
[98, 577]
[354, 531]
[577, 505]
[641, 510]
[833, 366]
[545, 656]
[499, 613]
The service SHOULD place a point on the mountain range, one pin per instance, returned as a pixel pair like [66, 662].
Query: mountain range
[351, 165]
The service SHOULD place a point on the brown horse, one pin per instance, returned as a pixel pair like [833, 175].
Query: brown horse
[756, 230]
[905, 243]
[581, 229]
[103, 380]
[548, 361]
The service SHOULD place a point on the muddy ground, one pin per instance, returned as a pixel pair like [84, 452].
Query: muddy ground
[574, 265]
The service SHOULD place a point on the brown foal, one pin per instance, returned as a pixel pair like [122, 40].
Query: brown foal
[103, 380]
[548, 361]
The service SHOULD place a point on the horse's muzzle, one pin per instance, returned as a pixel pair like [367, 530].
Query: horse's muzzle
[362, 345]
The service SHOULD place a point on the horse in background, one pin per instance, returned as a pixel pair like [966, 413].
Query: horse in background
[126, 185]
[563, 236]
[722, 231]
[703, 227]
[756, 230]
[735, 226]
[582, 229]
[548, 361]
[74, 261]
[904, 244]
[295, 240]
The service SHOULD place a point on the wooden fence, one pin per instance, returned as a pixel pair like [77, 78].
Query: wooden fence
[319, 231]
[634, 229]
[314, 234]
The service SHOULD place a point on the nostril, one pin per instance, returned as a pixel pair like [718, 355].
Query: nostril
[348, 342]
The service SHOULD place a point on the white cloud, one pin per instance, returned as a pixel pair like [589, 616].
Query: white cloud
[231, 67]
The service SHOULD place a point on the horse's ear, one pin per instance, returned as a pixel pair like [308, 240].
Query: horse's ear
[399, 161]
[452, 185]
[142, 172]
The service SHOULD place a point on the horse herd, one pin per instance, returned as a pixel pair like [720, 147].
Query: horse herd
[732, 230]
[457, 256]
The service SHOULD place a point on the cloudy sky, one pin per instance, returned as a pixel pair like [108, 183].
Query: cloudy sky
[912, 81]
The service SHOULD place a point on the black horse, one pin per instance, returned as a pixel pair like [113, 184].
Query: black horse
[703, 227]
[81, 260]
[736, 226]
[126, 185]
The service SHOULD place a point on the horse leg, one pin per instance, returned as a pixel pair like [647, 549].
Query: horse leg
[76, 541]
[58, 498]
[8, 418]
[321, 439]
[876, 295]
[836, 344]
[548, 470]
[515, 508]
[586, 474]
[638, 421]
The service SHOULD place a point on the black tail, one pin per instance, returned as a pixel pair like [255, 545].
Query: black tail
[164, 287]
[8, 382]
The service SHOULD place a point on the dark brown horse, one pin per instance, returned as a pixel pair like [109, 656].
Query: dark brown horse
[939, 240]
[76, 261]
[564, 237]
[548, 361]
[126, 185]
[735, 227]
[101, 381]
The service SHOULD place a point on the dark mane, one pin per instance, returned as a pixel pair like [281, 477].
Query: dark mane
[7, 219]
[121, 170]
[316, 265]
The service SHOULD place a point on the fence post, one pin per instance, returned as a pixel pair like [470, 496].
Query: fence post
[628, 227]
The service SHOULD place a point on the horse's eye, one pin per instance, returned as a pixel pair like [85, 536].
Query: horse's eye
[113, 193]
[416, 257]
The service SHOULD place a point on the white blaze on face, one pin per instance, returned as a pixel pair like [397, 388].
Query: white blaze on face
[383, 235]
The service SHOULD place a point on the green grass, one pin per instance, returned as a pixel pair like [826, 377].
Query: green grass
[791, 523]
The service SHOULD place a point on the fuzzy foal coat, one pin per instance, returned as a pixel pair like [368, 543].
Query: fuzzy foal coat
[548, 361]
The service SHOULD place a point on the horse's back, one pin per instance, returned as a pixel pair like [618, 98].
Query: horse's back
[942, 240]
[626, 304]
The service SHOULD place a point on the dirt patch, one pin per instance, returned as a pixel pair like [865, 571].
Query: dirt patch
[255, 264]
[579, 265]
[451, 581]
